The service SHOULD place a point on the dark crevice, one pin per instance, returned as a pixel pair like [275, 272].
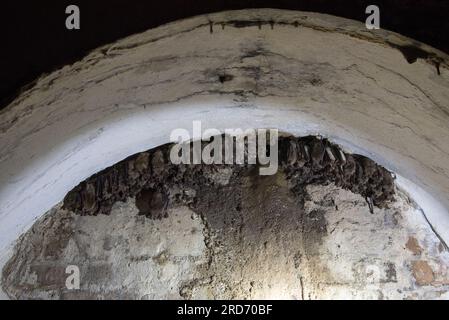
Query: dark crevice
[150, 177]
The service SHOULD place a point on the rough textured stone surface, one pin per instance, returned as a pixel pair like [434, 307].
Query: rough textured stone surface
[147, 229]
[303, 73]
[249, 239]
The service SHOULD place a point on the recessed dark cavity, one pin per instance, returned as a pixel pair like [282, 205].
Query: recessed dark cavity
[151, 176]
[152, 203]
[211, 27]
[246, 23]
[412, 53]
[225, 77]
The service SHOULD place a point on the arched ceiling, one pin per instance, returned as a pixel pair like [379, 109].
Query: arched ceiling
[302, 73]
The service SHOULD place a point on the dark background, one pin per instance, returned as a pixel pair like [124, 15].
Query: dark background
[34, 39]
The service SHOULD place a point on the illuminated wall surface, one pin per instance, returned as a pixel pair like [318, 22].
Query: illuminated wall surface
[302, 73]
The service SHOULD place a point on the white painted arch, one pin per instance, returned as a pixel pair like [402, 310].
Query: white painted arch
[302, 73]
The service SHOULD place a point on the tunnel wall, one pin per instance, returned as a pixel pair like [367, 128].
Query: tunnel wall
[302, 73]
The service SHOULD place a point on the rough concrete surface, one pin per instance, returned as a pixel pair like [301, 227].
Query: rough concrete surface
[215, 231]
[374, 93]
